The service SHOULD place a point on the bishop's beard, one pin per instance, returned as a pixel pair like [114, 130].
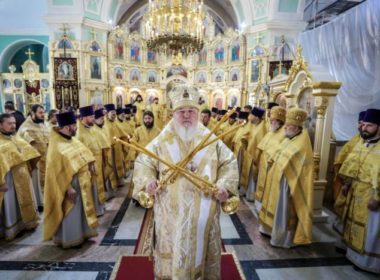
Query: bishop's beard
[185, 132]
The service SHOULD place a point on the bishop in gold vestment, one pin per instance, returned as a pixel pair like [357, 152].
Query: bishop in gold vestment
[361, 215]
[36, 133]
[187, 229]
[17, 210]
[286, 212]
[69, 214]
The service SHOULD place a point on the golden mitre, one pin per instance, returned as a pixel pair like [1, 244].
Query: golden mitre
[278, 113]
[184, 96]
[296, 116]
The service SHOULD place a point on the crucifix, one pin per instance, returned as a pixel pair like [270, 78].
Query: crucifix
[29, 54]
[64, 29]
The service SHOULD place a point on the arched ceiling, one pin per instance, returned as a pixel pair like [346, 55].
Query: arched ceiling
[131, 11]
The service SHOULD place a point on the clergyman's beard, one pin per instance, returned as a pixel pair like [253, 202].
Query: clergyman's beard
[38, 120]
[149, 125]
[274, 128]
[186, 133]
[366, 135]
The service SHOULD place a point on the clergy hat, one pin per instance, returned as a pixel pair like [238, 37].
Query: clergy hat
[258, 112]
[361, 116]
[272, 104]
[127, 110]
[129, 105]
[66, 118]
[148, 113]
[372, 116]
[119, 111]
[99, 113]
[214, 110]
[238, 109]
[296, 116]
[233, 116]
[86, 111]
[278, 113]
[109, 107]
[243, 116]
[184, 96]
[222, 112]
[229, 107]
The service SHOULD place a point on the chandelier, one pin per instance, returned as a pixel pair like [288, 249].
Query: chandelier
[174, 26]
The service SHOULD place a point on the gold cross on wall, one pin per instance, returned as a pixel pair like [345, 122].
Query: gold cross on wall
[258, 38]
[29, 53]
[93, 33]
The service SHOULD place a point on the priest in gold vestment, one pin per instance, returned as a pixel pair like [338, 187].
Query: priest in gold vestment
[338, 196]
[17, 210]
[187, 229]
[141, 107]
[361, 216]
[69, 210]
[157, 111]
[118, 163]
[87, 135]
[36, 133]
[265, 150]
[286, 212]
[148, 131]
[106, 167]
[230, 124]
[248, 178]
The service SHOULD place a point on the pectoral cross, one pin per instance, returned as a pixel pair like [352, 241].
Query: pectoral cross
[29, 54]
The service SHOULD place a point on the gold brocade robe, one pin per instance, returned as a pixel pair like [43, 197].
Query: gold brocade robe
[241, 138]
[140, 111]
[294, 160]
[65, 159]
[213, 122]
[227, 139]
[252, 156]
[117, 151]
[144, 135]
[157, 112]
[340, 199]
[266, 149]
[15, 153]
[362, 169]
[106, 150]
[38, 136]
[90, 139]
[187, 230]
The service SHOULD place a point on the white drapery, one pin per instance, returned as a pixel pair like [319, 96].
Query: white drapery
[349, 47]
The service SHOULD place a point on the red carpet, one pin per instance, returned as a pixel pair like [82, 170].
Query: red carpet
[141, 268]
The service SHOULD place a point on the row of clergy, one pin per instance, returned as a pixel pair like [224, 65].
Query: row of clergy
[69, 171]
[276, 172]
[275, 166]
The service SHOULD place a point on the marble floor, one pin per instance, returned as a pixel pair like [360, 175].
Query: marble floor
[29, 257]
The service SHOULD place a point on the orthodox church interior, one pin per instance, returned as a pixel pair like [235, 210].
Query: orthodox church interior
[322, 56]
